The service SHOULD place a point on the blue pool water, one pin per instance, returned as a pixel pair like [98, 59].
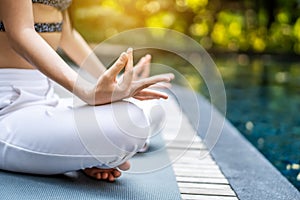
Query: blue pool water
[263, 103]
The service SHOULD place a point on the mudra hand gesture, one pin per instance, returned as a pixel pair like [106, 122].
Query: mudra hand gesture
[108, 89]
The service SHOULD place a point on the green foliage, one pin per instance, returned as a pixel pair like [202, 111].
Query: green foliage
[225, 25]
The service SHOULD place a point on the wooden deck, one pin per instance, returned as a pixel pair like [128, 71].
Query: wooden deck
[197, 174]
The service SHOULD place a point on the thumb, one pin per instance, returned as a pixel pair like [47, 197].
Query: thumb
[116, 68]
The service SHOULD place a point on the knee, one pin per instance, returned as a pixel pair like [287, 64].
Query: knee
[157, 118]
[131, 127]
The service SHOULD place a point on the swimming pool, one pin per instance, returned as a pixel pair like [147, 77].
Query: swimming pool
[263, 103]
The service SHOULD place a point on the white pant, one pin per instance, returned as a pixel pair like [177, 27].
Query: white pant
[42, 134]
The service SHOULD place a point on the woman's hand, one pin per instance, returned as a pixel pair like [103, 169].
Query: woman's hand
[108, 89]
[142, 68]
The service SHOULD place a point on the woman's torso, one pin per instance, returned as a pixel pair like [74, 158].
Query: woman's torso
[43, 14]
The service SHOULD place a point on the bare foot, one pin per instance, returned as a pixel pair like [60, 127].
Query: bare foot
[106, 174]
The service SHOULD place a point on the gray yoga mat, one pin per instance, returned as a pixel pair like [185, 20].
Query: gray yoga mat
[159, 184]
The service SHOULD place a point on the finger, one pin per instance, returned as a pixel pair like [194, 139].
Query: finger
[161, 85]
[128, 74]
[167, 77]
[146, 68]
[129, 65]
[147, 94]
[116, 68]
[147, 82]
[139, 66]
[144, 83]
[142, 69]
[142, 98]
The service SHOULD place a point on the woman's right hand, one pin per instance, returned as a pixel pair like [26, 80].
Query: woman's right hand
[108, 89]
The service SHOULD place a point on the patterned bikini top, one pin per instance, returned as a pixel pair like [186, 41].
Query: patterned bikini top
[59, 4]
[48, 27]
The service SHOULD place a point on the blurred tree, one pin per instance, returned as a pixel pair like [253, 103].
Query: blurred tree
[226, 25]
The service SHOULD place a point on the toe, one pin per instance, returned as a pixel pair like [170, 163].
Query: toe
[98, 176]
[117, 173]
[105, 175]
[111, 178]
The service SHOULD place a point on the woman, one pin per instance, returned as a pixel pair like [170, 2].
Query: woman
[38, 133]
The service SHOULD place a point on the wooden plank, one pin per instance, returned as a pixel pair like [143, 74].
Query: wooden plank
[201, 180]
[206, 191]
[204, 185]
[196, 171]
[196, 166]
[206, 197]
[215, 174]
[185, 145]
[183, 135]
[195, 161]
[194, 153]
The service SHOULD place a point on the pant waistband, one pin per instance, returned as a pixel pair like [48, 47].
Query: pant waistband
[24, 87]
[12, 74]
